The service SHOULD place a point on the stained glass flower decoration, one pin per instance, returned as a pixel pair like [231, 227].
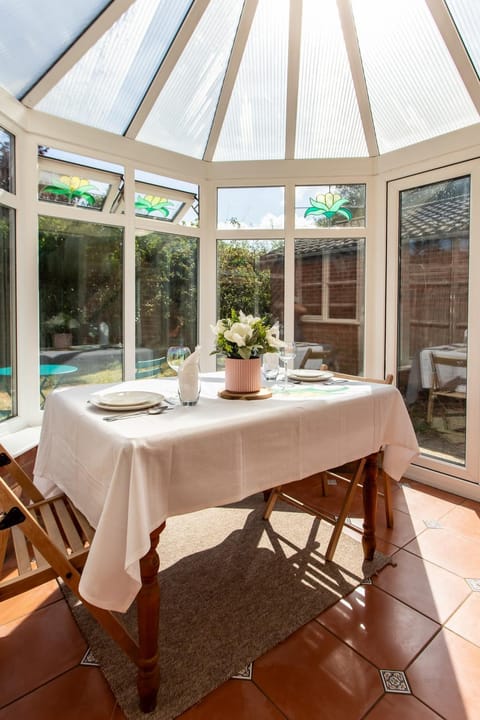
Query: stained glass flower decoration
[327, 206]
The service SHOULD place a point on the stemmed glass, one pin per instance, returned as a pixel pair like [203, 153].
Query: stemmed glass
[287, 352]
[176, 356]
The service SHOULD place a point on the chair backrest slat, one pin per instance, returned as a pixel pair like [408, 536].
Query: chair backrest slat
[387, 381]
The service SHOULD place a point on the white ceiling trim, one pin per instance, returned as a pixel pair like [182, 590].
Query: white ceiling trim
[456, 48]
[76, 51]
[293, 73]
[168, 65]
[356, 68]
[243, 30]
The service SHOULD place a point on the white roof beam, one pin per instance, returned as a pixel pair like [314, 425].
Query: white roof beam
[294, 42]
[241, 37]
[457, 50]
[76, 51]
[356, 68]
[171, 58]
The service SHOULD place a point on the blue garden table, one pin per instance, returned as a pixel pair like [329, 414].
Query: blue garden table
[47, 371]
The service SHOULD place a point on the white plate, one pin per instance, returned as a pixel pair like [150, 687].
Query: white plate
[310, 375]
[125, 400]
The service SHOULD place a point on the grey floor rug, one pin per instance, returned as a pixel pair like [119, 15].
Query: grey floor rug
[232, 587]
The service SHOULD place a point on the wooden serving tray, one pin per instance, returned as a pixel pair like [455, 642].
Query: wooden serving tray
[261, 394]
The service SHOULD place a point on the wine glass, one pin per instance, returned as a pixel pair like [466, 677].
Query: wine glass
[287, 352]
[176, 356]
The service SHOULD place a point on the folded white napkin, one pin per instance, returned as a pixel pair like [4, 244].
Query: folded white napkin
[188, 377]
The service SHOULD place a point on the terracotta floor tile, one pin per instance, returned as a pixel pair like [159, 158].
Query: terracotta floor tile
[404, 530]
[314, 675]
[446, 677]
[29, 601]
[465, 621]
[464, 520]
[423, 503]
[235, 700]
[36, 649]
[387, 548]
[401, 707]
[80, 694]
[454, 552]
[431, 590]
[382, 629]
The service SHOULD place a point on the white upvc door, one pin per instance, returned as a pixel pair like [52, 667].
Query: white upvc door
[433, 328]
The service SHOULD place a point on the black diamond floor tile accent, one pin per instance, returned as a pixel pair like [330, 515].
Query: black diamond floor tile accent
[245, 674]
[89, 659]
[395, 681]
[474, 584]
[433, 524]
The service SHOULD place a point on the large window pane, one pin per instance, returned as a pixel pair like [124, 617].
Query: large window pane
[251, 207]
[329, 299]
[166, 297]
[433, 307]
[6, 161]
[7, 314]
[250, 277]
[81, 321]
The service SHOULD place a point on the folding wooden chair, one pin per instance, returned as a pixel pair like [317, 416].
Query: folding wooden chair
[449, 380]
[288, 494]
[41, 539]
[321, 355]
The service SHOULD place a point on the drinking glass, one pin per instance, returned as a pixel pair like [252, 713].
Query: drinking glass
[287, 352]
[270, 367]
[176, 356]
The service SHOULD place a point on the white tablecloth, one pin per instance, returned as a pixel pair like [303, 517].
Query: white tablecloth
[129, 476]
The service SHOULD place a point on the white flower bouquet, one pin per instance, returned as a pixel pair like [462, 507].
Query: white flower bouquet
[244, 336]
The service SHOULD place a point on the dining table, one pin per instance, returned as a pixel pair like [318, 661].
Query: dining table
[129, 477]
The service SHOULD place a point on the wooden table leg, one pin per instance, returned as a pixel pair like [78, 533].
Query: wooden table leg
[370, 506]
[148, 611]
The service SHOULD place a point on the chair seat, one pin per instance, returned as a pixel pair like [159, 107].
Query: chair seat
[66, 527]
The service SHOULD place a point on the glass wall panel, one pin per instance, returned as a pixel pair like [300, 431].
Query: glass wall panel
[166, 298]
[433, 313]
[330, 205]
[329, 299]
[7, 314]
[6, 161]
[81, 291]
[250, 277]
[251, 207]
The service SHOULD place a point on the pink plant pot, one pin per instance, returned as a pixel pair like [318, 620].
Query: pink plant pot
[243, 376]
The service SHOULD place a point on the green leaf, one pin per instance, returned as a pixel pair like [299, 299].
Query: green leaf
[57, 189]
[313, 211]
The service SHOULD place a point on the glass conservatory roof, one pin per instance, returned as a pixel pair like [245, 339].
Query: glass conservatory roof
[227, 80]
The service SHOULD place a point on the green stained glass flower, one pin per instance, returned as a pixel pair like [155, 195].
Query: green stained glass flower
[327, 206]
